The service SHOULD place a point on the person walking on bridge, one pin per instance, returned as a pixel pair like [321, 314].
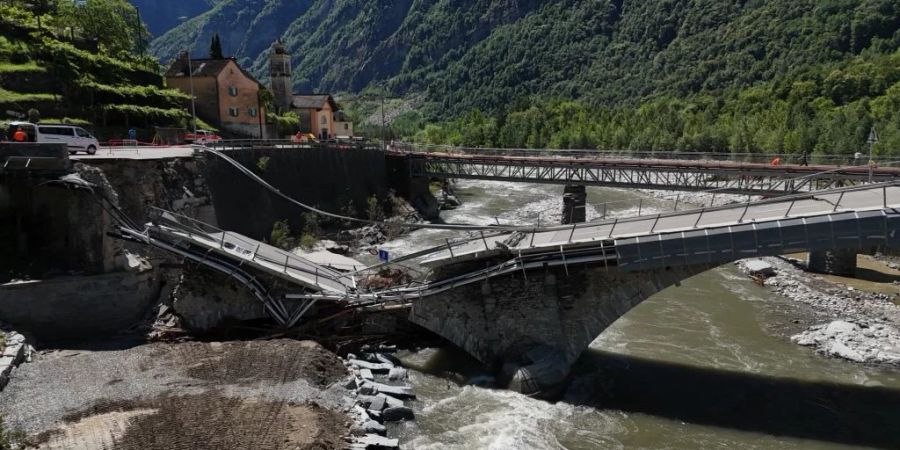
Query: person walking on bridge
[19, 135]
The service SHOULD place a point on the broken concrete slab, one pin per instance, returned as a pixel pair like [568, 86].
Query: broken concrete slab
[388, 359]
[374, 427]
[391, 401]
[366, 374]
[374, 441]
[396, 391]
[374, 367]
[377, 404]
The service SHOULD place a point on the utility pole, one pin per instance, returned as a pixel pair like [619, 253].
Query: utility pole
[873, 139]
[383, 122]
[191, 82]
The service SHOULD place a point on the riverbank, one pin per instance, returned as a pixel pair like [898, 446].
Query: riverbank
[859, 323]
[278, 394]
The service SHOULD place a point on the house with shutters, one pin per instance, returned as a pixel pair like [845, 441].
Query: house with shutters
[225, 95]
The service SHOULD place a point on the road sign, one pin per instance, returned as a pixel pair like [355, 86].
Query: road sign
[873, 137]
[383, 255]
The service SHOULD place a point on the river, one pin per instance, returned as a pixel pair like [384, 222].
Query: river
[696, 366]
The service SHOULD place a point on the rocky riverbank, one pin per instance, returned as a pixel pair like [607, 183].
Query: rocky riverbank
[850, 323]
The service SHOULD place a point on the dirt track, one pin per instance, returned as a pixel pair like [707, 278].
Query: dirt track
[235, 395]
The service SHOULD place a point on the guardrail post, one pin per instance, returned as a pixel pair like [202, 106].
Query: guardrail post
[533, 232]
[677, 198]
[655, 222]
[699, 216]
[572, 233]
[640, 206]
[484, 240]
[286, 263]
[613, 227]
[788, 213]
[741, 220]
[450, 248]
[838, 202]
[253, 258]
[884, 195]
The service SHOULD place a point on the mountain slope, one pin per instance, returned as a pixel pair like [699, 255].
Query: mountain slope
[490, 53]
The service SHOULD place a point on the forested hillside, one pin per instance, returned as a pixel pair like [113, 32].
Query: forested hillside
[691, 74]
[163, 15]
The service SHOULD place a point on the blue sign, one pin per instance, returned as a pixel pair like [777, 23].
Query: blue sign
[132, 134]
[383, 255]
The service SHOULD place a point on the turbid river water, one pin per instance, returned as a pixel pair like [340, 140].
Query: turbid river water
[696, 366]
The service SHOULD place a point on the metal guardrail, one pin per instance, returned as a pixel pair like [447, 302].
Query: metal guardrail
[248, 144]
[247, 247]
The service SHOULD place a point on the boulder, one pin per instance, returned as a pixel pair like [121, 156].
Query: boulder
[398, 373]
[372, 426]
[398, 413]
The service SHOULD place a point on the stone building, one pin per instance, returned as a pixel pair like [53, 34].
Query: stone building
[226, 96]
[319, 114]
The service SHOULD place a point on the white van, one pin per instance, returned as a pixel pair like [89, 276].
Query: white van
[75, 138]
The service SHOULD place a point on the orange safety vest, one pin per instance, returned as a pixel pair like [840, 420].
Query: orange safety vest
[776, 161]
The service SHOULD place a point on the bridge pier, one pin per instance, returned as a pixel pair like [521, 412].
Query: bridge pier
[530, 328]
[574, 200]
[841, 262]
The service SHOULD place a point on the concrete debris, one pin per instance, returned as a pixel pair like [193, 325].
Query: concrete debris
[377, 404]
[372, 426]
[374, 441]
[391, 401]
[758, 267]
[398, 373]
[387, 359]
[395, 391]
[374, 367]
[15, 352]
[366, 374]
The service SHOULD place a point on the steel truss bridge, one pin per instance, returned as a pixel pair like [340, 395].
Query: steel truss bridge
[699, 175]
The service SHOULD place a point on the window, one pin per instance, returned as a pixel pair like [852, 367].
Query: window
[324, 120]
[234, 112]
[251, 111]
[346, 126]
[61, 131]
[81, 133]
[232, 91]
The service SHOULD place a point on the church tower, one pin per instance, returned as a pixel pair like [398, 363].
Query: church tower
[280, 71]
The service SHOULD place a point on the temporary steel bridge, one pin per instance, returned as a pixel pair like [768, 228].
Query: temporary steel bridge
[641, 171]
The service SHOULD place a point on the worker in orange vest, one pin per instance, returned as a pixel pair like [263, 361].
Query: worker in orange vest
[19, 135]
[776, 161]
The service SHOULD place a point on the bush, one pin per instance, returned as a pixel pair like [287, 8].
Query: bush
[281, 236]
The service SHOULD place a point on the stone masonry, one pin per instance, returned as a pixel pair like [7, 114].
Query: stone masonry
[559, 310]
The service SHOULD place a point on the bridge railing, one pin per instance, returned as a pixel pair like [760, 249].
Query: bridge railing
[246, 246]
[247, 144]
[761, 158]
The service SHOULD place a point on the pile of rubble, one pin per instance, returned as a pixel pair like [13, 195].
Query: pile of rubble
[15, 351]
[376, 401]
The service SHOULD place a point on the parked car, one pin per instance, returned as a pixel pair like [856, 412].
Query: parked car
[202, 137]
[76, 139]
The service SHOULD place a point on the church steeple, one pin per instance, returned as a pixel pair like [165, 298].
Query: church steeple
[280, 71]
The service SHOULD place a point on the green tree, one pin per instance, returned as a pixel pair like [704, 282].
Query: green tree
[215, 47]
[113, 24]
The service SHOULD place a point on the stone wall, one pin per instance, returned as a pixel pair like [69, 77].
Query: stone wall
[80, 307]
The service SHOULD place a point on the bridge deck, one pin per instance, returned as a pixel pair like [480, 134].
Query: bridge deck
[852, 199]
[252, 253]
